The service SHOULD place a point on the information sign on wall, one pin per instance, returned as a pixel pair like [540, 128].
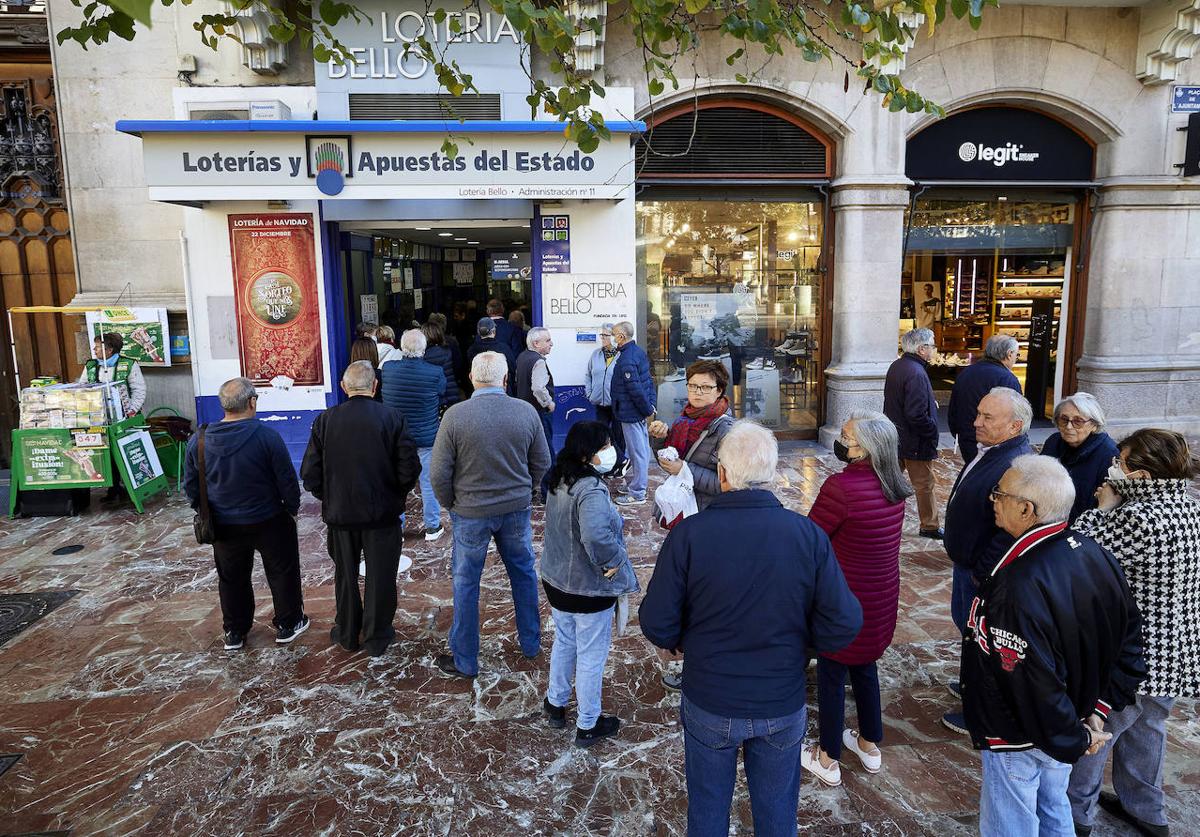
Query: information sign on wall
[555, 244]
[583, 300]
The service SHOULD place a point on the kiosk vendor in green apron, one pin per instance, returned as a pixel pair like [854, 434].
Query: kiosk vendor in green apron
[109, 365]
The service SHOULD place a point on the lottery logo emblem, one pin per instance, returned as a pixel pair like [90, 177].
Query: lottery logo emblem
[331, 162]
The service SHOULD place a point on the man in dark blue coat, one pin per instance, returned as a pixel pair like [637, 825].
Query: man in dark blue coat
[745, 589]
[486, 341]
[973, 540]
[506, 332]
[908, 401]
[993, 370]
[633, 404]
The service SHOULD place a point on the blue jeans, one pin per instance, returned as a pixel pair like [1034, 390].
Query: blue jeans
[1024, 794]
[637, 448]
[548, 429]
[580, 652]
[771, 752]
[962, 593]
[1138, 744]
[514, 540]
[831, 700]
[430, 509]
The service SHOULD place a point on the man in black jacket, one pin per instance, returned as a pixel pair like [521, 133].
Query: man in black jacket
[486, 341]
[908, 401]
[361, 463]
[993, 370]
[1053, 644]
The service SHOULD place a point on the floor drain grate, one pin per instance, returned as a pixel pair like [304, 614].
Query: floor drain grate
[20, 610]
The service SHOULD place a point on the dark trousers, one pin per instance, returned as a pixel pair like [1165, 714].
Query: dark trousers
[373, 619]
[831, 701]
[548, 429]
[605, 415]
[275, 540]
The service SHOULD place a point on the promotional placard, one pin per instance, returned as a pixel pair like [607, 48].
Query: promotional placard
[140, 458]
[51, 458]
[555, 247]
[144, 331]
[275, 296]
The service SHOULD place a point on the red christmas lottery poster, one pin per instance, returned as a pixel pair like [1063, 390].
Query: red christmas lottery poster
[275, 294]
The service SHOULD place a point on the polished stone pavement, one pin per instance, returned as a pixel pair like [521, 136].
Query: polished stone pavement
[131, 719]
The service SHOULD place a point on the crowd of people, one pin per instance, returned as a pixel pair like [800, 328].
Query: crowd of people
[1075, 574]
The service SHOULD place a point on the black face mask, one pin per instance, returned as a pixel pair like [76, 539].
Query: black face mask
[841, 451]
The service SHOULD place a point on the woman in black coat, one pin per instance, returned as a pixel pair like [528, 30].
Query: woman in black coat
[1082, 446]
[439, 354]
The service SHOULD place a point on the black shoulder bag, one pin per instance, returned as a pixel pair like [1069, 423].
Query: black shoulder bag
[202, 523]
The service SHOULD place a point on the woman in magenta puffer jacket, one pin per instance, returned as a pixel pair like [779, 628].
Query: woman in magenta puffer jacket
[862, 511]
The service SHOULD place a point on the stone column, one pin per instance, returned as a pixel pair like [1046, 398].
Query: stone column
[867, 262]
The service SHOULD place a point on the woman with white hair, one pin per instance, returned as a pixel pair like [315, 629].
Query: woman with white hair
[862, 511]
[1082, 446]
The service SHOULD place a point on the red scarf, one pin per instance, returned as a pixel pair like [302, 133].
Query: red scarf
[690, 426]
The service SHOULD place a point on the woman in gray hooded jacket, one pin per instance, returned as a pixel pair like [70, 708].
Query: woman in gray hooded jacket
[584, 569]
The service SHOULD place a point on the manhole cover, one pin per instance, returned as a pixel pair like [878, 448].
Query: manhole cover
[20, 610]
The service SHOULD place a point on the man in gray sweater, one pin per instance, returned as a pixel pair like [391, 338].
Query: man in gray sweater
[489, 452]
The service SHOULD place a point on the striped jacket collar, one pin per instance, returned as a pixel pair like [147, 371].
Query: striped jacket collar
[1028, 541]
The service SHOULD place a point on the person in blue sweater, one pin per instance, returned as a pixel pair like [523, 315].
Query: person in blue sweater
[745, 590]
[415, 388]
[993, 370]
[633, 404]
[253, 496]
[973, 539]
[1082, 446]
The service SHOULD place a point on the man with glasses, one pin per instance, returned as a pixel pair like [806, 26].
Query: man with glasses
[908, 401]
[974, 539]
[1052, 645]
[597, 384]
[992, 370]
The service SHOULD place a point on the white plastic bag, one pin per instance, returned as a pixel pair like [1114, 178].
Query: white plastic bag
[675, 499]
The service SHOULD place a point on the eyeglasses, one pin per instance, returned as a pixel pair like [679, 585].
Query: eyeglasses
[995, 494]
[701, 389]
[1078, 422]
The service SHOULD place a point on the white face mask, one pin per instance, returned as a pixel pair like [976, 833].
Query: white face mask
[1115, 474]
[608, 458]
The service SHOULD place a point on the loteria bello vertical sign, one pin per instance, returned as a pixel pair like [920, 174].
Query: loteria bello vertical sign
[275, 297]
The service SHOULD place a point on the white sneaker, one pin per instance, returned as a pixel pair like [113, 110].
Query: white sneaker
[434, 534]
[830, 776]
[871, 762]
[404, 564]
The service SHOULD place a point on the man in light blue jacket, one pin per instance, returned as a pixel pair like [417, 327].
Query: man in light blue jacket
[597, 383]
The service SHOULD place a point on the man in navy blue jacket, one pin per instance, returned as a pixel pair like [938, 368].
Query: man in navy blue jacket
[993, 370]
[973, 540]
[506, 332]
[908, 401]
[254, 496]
[745, 589]
[633, 404]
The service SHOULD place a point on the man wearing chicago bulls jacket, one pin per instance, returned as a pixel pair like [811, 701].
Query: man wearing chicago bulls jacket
[1053, 643]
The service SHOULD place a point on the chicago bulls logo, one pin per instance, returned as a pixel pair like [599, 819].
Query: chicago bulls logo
[1009, 646]
[1009, 657]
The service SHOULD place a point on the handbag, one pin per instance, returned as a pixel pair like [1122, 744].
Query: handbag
[202, 523]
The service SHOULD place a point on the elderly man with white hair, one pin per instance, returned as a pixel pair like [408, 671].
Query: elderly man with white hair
[535, 385]
[361, 463]
[489, 451]
[908, 401]
[992, 370]
[973, 539]
[1053, 644]
[745, 590]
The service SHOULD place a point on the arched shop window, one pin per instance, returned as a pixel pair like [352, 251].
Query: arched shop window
[993, 243]
[731, 228]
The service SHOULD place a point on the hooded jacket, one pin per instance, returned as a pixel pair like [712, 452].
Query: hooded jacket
[250, 476]
[1054, 635]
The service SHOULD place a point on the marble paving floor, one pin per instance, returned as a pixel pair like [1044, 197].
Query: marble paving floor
[131, 719]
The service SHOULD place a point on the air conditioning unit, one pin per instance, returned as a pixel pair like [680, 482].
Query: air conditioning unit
[221, 111]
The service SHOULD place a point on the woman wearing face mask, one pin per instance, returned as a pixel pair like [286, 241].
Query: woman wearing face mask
[698, 432]
[862, 511]
[584, 569]
[1082, 446]
[1147, 517]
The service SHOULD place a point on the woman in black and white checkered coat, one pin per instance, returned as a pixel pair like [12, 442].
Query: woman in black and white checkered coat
[1149, 518]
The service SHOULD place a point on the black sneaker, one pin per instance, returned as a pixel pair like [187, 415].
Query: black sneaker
[1111, 803]
[1082, 830]
[556, 716]
[286, 635]
[606, 725]
[673, 680]
[935, 534]
[234, 641]
[955, 688]
[445, 664]
[955, 722]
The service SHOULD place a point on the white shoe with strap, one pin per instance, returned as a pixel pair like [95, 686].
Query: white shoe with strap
[871, 759]
[810, 760]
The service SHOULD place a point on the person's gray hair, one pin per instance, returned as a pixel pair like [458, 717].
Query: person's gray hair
[1087, 405]
[1043, 481]
[915, 339]
[486, 327]
[749, 454]
[359, 376]
[607, 327]
[1000, 346]
[625, 327]
[235, 395]
[535, 334]
[489, 369]
[413, 343]
[878, 437]
[1021, 411]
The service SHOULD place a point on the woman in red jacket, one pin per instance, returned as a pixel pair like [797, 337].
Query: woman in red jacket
[862, 511]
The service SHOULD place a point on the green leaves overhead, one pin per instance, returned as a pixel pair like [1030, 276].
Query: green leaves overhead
[869, 36]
